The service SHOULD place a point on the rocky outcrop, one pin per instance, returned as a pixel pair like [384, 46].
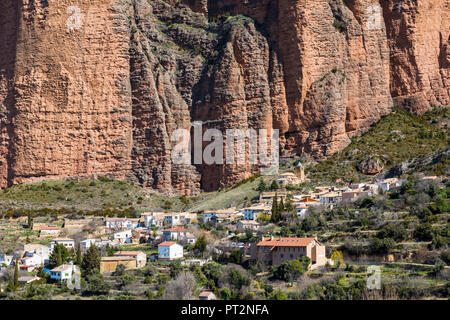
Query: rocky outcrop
[105, 96]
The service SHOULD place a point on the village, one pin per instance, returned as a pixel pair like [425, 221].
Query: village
[168, 237]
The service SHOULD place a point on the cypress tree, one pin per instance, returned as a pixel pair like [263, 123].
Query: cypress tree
[30, 221]
[16, 275]
[275, 208]
[91, 261]
[78, 258]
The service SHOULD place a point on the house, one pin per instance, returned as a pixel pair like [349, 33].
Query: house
[139, 256]
[288, 179]
[309, 202]
[64, 272]
[86, 244]
[67, 242]
[27, 268]
[247, 225]
[267, 197]
[251, 213]
[190, 238]
[274, 251]
[6, 260]
[207, 295]
[123, 236]
[34, 260]
[40, 253]
[109, 264]
[352, 195]
[139, 235]
[330, 198]
[170, 250]
[217, 216]
[301, 210]
[153, 219]
[174, 234]
[121, 223]
[49, 231]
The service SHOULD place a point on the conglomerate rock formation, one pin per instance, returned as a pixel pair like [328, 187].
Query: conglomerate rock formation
[97, 87]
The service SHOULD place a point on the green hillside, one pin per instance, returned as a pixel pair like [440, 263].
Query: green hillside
[397, 137]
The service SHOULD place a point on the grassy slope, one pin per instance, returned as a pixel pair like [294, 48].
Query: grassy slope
[397, 137]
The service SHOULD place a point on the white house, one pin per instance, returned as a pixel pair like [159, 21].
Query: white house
[86, 244]
[64, 272]
[330, 198]
[121, 223]
[169, 250]
[50, 231]
[32, 259]
[68, 243]
[251, 213]
[247, 225]
[6, 260]
[123, 236]
[174, 234]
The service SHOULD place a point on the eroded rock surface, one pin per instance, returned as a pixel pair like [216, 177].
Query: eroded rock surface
[104, 98]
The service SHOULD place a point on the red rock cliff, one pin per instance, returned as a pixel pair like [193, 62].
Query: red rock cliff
[104, 97]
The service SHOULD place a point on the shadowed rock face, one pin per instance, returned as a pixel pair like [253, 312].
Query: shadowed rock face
[105, 98]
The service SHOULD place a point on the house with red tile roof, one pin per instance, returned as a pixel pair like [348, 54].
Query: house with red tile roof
[274, 251]
[141, 257]
[174, 234]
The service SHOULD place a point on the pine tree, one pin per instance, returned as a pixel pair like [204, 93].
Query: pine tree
[274, 185]
[59, 256]
[91, 261]
[78, 257]
[275, 208]
[262, 185]
[281, 207]
[30, 221]
[16, 275]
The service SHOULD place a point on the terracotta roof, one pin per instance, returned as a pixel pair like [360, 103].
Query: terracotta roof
[206, 293]
[166, 244]
[175, 230]
[286, 242]
[308, 199]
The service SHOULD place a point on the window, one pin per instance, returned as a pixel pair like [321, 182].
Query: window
[281, 255]
[292, 256]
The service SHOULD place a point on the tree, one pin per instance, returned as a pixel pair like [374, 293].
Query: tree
[180, 288]
[338, 258]
[97, 284]
[262, 185]
[59, 256]
[200, 244]
[275, 210]
[281, 207]
[235, 257]
[30, 221]
[274, 185]
[16, 275]
[175, 269]
[91, 261]
[78, 257]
